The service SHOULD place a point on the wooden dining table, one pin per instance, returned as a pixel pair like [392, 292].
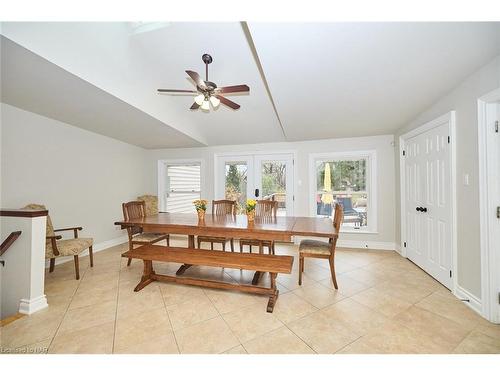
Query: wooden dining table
[280, 229]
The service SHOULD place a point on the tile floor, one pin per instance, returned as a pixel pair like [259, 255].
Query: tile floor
[385, 304]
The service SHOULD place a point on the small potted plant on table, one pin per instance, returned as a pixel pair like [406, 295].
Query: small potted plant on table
[250, 208]
[201, 208]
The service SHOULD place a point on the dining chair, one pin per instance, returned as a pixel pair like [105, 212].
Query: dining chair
[151, 202]
[322, 249]
[264, 210]
[136, 210]
[56, 247]
[221, 207]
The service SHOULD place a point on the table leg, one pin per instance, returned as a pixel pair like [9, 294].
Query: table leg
[258, 274]
[274, 296]
[184, 267]
[147, 276]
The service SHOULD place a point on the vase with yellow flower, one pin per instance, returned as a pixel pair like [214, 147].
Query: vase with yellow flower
[250, 209]
[201, 208]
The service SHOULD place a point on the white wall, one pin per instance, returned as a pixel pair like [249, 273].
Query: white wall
[463, 100]
[81, 177]
[385, 167]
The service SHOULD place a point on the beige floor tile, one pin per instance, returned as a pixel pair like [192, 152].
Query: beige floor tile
[133, 303]
[367, 277]
[290, 307]
[226, 301]
[394, 338]
[451, 308]
[448, 333]
[176, 293]
[478, 343]
[291, 282]
[357, 347]
[405, 291]
[489, 329]
[90, 297]
[190, 312]
[208, 337]
[236, 350]
[164, 344]
[92, 340]
[280, 341]
[135, 329]
[347, 285]
[89, 316]
[381, 302]
[322, 334]
[58, 288]
[31, 329]
[354, 316]
[314, 272]
[252, 321]
[318, 295]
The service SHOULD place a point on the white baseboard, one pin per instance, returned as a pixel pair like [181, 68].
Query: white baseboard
[357, 244]
[96, 248]
[473, 302]
[372, 245]
[398, 249]
[30, 306]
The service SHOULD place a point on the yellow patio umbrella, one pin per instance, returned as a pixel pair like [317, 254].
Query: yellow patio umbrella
[327, 197]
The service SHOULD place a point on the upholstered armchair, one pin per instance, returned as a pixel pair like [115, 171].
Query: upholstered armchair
[151, 202]
[56, 247]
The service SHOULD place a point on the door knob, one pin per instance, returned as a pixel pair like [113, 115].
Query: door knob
[419, 208]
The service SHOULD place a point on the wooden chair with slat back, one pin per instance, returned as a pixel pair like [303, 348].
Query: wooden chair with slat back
[321, 249]
[136, 236]
[220, 208]
[264, 210]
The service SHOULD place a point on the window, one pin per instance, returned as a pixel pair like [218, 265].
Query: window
[345, 179]
[236, 184]
[180, 185]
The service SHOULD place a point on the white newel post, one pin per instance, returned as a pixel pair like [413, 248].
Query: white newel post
[23, 273]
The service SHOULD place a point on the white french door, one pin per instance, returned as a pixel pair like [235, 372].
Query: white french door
[256, 176]
[428, 202]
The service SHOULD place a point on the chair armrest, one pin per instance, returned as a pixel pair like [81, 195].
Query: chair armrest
[74, 229]
[54, 243]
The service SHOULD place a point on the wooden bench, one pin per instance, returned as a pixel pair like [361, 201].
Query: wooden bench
[273, 264]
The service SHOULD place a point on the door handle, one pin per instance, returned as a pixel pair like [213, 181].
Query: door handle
[423, 209]
[418, 208]
[256, 193]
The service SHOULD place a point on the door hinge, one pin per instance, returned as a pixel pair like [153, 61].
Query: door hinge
[404, 244]
[498, 212]
[450, 273]
[404, 152]
[499, 298]
[496, 126]
[293, 198]
[448, 139]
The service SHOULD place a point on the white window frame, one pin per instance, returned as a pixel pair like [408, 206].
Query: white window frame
[162, 170]
[371, 182]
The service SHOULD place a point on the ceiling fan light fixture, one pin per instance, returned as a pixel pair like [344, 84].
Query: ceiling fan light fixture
[199, 99]
[215, 101]
[205, 105]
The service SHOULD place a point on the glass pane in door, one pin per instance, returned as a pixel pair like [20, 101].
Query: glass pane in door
[273, 174]
[236, 184]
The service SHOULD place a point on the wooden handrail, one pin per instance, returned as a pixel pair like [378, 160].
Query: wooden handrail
[9, 241]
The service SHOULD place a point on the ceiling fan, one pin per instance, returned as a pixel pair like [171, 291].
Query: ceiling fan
[208, 92]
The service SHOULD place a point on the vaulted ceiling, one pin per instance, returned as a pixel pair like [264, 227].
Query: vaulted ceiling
[307, 81]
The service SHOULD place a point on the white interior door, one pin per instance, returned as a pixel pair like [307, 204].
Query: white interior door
[428, 202]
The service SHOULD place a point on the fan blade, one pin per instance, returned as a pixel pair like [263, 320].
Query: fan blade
[228, 89]
[197, 79]
[227, 102]
[195, 106]
[173, 90]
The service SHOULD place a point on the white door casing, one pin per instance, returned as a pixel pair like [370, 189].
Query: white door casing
[428, 204]
[489, 201]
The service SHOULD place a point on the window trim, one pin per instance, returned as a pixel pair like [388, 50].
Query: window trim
[371, 156]
[161, 175]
